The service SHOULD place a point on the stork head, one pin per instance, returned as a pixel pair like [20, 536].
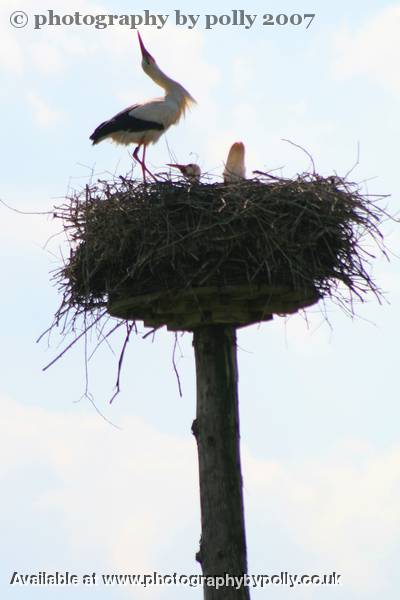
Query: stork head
[147, 59]
[191, 172]
[235, 169]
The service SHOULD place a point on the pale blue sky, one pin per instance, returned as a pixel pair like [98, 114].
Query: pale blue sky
[319, 407]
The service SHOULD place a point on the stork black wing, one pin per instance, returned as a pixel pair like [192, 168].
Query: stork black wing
[123, 121]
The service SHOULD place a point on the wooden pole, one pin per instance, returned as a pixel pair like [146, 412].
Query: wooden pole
[216, 428]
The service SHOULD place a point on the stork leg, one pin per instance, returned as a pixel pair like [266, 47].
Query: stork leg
[142, 162]
[136, 157]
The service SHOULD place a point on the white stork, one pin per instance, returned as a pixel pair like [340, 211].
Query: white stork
[143, 124]
[235, 169]
[191, 172]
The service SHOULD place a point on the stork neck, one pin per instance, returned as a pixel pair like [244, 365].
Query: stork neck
[169, 85]
[172, 88]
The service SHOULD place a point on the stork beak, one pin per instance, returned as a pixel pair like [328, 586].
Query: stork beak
[146, 55]
[176, 166]
[237, 148]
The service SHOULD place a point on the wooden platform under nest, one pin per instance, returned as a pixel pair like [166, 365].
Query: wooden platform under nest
[231, 305]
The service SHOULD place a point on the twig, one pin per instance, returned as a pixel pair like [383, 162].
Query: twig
[304, 150]
[23, 212]
[73, 342]
[174, 365]
[121, 360]
[356, 163]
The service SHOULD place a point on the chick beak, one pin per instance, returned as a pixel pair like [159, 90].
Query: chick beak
[182, 168]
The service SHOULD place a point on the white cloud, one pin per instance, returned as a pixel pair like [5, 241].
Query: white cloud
[43, 113]
[23, 229]
[48, 50]
[47, 58]
[11, 54]
[372, 50]
[342, 509]
[125, 492]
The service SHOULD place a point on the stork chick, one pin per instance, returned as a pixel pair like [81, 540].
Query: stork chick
[145, 123]
[191, 172]
[235, 169]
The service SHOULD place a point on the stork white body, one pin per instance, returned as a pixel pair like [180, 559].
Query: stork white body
[145, 123]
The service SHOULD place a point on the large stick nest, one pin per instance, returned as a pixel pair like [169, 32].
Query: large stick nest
[127, 239]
